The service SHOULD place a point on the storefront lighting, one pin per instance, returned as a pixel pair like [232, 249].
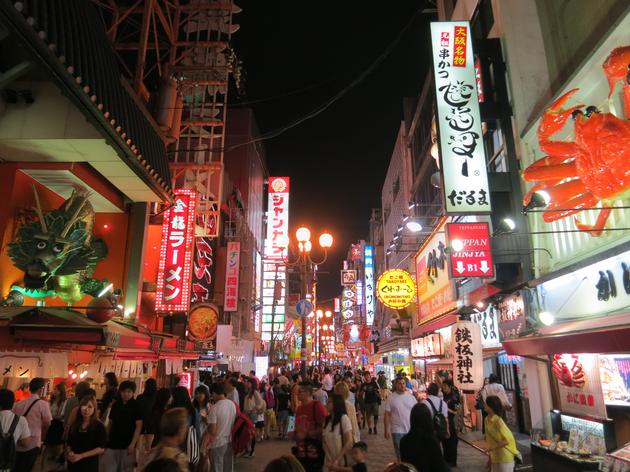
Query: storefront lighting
[400, 227]
[388, 252]
[540, 199]
[546, 318]
[505, 226]
[457, 245]
[405, 218]
[414, 226]
[412, 205]
[509, 222]
[392, 246]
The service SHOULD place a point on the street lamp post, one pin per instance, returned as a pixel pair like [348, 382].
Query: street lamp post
[306, 263]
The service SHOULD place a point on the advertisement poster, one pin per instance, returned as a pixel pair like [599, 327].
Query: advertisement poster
[579, 383]
[511, 313]
[475, 257]
[396, 288]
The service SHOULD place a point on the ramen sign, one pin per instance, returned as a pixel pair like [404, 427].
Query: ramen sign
[396, 288]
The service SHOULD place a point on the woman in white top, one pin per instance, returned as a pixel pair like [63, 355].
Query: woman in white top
[337, 432]
[254, 406]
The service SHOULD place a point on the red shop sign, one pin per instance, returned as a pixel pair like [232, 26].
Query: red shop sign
[175, 269]
[474, 259]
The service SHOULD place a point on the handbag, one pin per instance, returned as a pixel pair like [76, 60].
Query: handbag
[192, 445]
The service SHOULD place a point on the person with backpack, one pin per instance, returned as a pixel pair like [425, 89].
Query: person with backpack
[453, 402]
[14, 430]
[174, 426]
[309, 423]
[221, 418]
[397, 410]
[419, 447]
[37, 414]
[439, 412]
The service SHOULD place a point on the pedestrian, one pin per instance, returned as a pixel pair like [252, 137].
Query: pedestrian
[295, 389]
[502, 449]
[87, 438]
[162, 465]
[433, 402]
[73, 402]
[287, 463]
[146, 400]
[283, 406]
[163, 399]
[220, 421]
[181, 399]
[420, 446]
[337, 432]
[12, 427]
[453, 401]
[397, 409]
[255, 407]
[54, 435]
[231, 392]
[494, 388]
[359, 456]
[319, 394]
[309, 422]
[270, 412]
[111, 391]
[37, 414]
[372, 402]
[124, 425]
[173, 432]
[327, 381]
[341, 388]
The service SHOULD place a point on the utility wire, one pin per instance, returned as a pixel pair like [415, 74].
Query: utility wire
[324, 106]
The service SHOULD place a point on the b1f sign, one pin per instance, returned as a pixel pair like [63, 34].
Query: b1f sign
[459, 122]
[471, 255]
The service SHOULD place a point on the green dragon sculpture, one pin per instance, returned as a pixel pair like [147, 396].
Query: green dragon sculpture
[58, 253]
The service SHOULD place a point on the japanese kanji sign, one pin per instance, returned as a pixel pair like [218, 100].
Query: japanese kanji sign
[175, 268]
[436, 292]
[348, 277]
[230, 301]
[274, 268]
[348, 302]
[488, 321]
[396, 288]
[579, 384]
[467, 355]
[475, 258]
[459, 121]
[277, 218]
[369, 285]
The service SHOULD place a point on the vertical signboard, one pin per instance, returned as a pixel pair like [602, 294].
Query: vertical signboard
[258, 293]
[467, 355]
[348, 299]
[203, 270]
[274, 269]
[369, 285]
[230, 302]
[175, 268]
[459, 122]
[488, 321]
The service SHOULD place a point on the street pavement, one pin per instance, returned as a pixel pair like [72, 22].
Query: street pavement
[380, 453]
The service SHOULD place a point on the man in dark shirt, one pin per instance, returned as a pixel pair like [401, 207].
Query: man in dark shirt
[124, 427]
[372, 400]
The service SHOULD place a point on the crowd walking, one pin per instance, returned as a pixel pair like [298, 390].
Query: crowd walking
[227, 415]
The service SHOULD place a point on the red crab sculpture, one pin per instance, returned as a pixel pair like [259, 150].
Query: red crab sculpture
[593, 168]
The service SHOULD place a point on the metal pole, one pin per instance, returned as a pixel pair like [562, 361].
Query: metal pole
[304, 291]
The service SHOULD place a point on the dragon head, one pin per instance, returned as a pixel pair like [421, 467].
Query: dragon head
[59, 243]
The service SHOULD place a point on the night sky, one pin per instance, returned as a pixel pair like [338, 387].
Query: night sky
[337, 161]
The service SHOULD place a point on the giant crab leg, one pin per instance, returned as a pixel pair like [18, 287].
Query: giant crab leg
[572, 207]
[550, 168]
[553, 120]
[598, 227]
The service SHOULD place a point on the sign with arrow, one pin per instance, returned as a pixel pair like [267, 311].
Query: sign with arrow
[470, 255]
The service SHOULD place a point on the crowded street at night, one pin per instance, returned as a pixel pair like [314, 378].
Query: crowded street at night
[315, 236]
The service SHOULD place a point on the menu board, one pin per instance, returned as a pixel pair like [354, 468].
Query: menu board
[614, 372]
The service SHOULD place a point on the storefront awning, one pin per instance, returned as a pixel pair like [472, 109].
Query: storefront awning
[393, 344]
[607, 335]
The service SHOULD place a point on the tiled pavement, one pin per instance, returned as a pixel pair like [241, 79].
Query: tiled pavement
[380, 453]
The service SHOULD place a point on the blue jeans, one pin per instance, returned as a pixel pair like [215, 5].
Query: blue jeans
[396, 437]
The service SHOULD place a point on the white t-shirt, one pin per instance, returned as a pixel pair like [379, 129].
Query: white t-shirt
[327, 382]
[21, 429]
[333, 439]
[497, 390]
[436, 403]
[321, 396]
[223, 414]
[399, 405]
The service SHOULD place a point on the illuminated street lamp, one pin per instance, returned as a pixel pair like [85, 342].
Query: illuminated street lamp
[307, 266]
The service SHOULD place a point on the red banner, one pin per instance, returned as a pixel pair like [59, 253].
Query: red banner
[176, 253]
[471, 256]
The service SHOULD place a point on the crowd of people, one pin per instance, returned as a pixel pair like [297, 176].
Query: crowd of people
[324, 415]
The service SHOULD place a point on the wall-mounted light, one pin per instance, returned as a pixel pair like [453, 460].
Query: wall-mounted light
[412, 205]
[546, 318]
[505, 226]
[413, 225]
[540, 199]
[457, 245]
